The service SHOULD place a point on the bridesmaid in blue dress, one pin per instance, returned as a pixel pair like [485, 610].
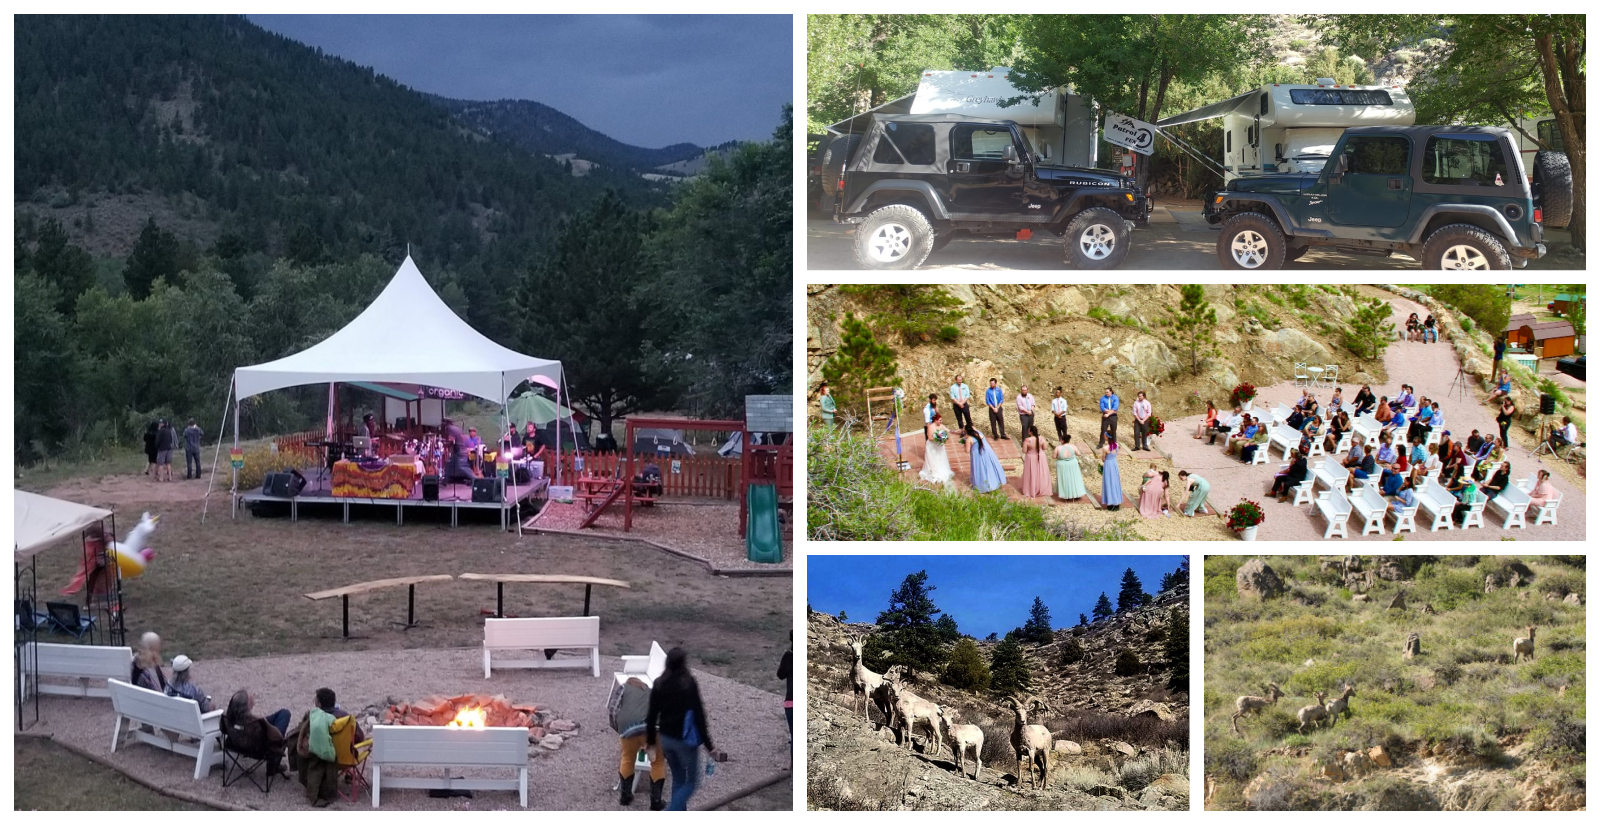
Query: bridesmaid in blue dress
[987, 474]
[1110, 478]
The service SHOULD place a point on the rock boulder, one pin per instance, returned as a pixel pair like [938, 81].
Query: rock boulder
[1256, 580]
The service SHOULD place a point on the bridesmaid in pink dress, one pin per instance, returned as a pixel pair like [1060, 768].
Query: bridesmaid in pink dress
[1153, 495]
[1035, 466]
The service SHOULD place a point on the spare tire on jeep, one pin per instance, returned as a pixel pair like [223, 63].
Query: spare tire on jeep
[1552, 187]
[834, 159]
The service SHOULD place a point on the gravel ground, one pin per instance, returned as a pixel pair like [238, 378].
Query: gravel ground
[745, 722]
[1430, 368]
[702, 529]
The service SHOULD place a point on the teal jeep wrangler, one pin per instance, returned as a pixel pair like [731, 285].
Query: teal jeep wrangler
[1453, 197]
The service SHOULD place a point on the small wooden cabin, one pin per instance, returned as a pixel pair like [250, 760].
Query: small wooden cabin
[1545, 339]
[1562, 305]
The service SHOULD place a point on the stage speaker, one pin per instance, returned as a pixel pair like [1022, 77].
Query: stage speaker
[1547, 404]
[488, 490]
[430, 488]
[282, 485]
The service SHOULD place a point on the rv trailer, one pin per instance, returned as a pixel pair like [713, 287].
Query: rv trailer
[1290, 127]
[1061, 127]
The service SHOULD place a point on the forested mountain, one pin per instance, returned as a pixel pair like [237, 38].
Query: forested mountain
[541, 129]
[196, 193]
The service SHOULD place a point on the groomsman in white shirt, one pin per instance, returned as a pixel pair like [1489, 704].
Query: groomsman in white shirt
[961, 403]
[1025, 407]
[1058, 408]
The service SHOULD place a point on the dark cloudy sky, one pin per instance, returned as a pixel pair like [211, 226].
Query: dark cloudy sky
[645, 80]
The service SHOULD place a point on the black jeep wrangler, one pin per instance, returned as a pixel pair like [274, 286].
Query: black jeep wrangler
[1453, 197]
[913, 182]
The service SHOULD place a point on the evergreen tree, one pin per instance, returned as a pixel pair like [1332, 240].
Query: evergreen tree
[966, 669]
[1037, 629]
[62, 263]
[1132, 595]
[859, 364]
[1128, 664]
[1176, 577]
[992, 637]
[917, 313]
[910, 629]
[1177, 650]
[1369, 330]
[843, 618]
[1102, 608]
[1196, 321]
[1083, 621]
[1008, 668]
[154, 255]
[948, 630]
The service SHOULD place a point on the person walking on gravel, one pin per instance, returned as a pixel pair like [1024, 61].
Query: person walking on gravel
[675, 706]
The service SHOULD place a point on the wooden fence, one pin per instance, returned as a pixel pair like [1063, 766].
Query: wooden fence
[703, 476]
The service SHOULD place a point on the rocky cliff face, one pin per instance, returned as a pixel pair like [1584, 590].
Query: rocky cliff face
[1085, 337]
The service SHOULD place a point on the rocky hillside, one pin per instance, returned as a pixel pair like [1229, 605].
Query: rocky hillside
[1084, 337]
[1443, 713]
[1121, 741]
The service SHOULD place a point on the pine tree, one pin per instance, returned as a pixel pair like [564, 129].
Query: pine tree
[1037, 629]
[1008, 668]
[1083, 621]
[1369, 331]
[1102, 608]
[843, 618]
[949, 631]
[917, 313]
[1177, 650]
[860, 363]
[909, 628]
[1132, 595]
[966, 669]
[992, 637]
[1196, 320]
[1176, 577]
[154, 255]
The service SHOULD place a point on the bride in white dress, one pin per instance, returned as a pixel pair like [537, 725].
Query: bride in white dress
[935, 463]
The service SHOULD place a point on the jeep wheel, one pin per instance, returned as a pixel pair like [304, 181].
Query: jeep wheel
[1464, 246]
[1096, 239]
[1251, 240]
[1552, 187]
[893, 237]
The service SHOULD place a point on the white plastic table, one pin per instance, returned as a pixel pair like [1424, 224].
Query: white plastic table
[1316, 376]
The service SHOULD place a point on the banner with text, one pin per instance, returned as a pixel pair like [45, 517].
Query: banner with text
[1129, 133]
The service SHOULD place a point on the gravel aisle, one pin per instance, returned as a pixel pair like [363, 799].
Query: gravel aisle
[1430, 368]
[745, 722]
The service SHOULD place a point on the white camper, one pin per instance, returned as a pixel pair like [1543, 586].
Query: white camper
[1541, 126]
[1291, 127]
[1060, 126]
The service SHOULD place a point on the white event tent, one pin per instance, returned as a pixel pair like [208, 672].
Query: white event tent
[406, 335]
[42, 521]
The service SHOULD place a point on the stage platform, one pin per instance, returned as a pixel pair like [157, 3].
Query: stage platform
[452, 497]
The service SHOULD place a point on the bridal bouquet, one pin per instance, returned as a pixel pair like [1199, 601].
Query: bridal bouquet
[941, 435]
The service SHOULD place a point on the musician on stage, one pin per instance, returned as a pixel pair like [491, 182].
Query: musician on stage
[531, 448]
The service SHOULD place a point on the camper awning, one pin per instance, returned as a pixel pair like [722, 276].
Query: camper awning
[42, 521]
[408, 335]
[1211, 111]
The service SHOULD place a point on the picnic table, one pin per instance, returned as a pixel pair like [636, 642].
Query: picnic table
[409, 582]
[595, 491]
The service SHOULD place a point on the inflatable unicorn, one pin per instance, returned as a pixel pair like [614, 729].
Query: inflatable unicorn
[132, 554]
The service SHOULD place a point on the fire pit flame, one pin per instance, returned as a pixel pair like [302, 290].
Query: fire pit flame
[474, 717]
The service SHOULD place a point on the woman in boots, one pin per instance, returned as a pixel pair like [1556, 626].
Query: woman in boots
[629, 723]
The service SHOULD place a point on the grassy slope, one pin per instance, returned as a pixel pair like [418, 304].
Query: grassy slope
[1462, 690]
[42, 764]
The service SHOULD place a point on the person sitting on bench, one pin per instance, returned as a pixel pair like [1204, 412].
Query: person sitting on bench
[183, 686]
[648, 481]
[1564, 435]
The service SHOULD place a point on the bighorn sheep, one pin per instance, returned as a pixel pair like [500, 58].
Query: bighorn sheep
[962, 739]
[1314, 713]
[909, 708]
[1032, 743]
[1341, 705]
[1523, 647]
[1250, 704]
[863, 682]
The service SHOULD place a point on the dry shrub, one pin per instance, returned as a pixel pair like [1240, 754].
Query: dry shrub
[1139, 730]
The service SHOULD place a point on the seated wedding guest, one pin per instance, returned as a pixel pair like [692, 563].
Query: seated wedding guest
[1498, 479]
[1366, 468]
[1247, 431]
[182, 684]
[1430, 330]
[1436, 416]
[1365, 401]
[1226, 424]
[1284, 483]
[1384, 413]
[1247, 453]
[1336, 403]
[1543, 492]
[1405, 400]
[1405, 498]
[1337, 427]
[1566, 434]
[1502, 388]
[1386, 453]
[1474, 441]
[1296, 418]
[1209, 422]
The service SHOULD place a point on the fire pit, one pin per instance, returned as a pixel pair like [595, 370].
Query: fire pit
[470, 710]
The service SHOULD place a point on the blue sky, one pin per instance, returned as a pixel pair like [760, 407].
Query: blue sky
[648, 80]
[986, 594]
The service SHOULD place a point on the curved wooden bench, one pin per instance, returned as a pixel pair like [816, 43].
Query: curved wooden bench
[502, 579]
[410, 582]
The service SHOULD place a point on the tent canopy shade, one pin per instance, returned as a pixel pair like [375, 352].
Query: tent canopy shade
[42, 521]
[408, 335]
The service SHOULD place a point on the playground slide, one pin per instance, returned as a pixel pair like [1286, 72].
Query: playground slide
[763, 538]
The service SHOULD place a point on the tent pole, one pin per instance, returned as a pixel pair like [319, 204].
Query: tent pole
[218, 455]
[333, 410]
[233, 496]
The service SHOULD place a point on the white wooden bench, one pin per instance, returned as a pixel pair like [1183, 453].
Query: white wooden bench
[1336, 509]
[81, 663]
[1367, 427]
[1473, 517]
[1281, 413]
[1405, 519]
[1331, 473]
[413, 746]
[648, 667]
[1302, 491]
[1370, 505]
[1285, 435]
[1438, 503]
[574, 633]
[138, 707]
[1542, 514]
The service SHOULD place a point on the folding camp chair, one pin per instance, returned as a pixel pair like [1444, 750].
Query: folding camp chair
[356, 774]
[27, 618]
[65, 617]
[238, 764]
